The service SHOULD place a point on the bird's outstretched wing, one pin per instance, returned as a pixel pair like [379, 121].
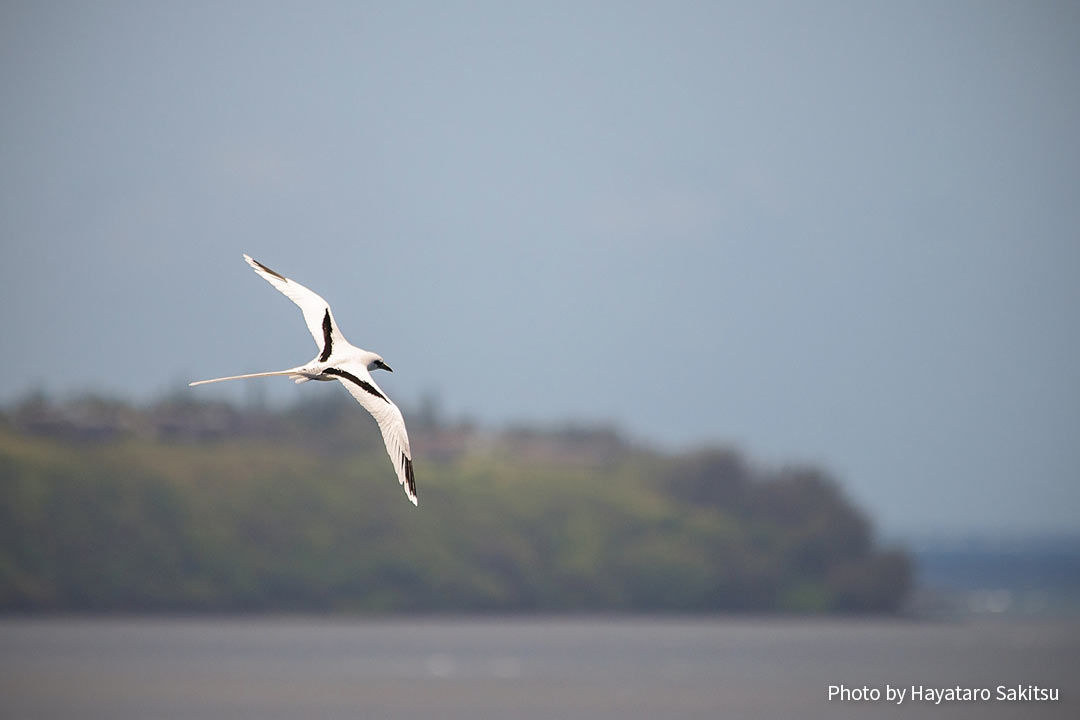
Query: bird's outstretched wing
[317, 315]
[358, 382]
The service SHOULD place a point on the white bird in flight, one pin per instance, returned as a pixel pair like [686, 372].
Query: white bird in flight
[342, 361]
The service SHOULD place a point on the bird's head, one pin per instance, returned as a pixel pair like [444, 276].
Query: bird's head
[375, 362]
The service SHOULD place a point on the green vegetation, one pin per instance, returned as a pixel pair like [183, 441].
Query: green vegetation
[184, 507]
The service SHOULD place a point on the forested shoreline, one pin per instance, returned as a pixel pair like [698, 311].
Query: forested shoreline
[207, 507]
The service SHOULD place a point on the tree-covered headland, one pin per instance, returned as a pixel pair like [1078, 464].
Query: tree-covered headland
[184, 506]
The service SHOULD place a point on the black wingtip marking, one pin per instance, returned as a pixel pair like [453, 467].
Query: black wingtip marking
[352, 378]
[328, 339]
[410, 479]
[277, 275]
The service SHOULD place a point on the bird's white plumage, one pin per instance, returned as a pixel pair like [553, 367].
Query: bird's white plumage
[342, 361]
[391, 424]
[309, 301]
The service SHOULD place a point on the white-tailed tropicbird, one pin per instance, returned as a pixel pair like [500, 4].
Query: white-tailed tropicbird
[342, 361]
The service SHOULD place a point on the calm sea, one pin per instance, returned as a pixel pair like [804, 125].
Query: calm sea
[479, 669]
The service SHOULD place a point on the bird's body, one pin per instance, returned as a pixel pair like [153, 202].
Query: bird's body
[340, 360]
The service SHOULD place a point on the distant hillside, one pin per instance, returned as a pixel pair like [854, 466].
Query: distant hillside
[204, 507]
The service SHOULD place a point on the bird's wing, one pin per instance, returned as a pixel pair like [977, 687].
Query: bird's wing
[358, 382]
[317, 315]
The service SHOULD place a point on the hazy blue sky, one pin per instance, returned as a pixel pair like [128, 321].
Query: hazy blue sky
[842, 233]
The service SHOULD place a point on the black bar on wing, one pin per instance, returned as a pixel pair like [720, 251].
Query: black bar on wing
[410, 479]
[328, 340]
[277, 275]
[352, 378]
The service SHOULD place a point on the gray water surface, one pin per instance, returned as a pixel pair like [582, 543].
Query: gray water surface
[627, 668]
